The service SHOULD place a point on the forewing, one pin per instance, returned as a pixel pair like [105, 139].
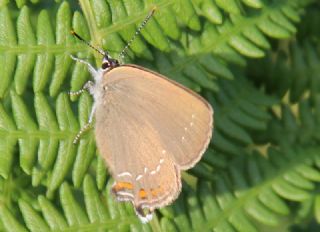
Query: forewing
[182, 119]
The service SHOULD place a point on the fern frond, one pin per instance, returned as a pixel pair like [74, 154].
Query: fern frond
[293, 71]
[239, 109]
[98, 212]
[246, 34]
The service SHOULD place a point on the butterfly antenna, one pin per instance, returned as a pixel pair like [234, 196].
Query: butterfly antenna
[144, 22]
[87, 43]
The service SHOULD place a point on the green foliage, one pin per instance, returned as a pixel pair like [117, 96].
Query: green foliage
[256, 61]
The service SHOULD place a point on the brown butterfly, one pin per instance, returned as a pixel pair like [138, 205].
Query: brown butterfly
[148, 128]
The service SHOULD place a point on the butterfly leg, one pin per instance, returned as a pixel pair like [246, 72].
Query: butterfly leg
[87, 86]
[90, 67]
[86, 127]
[93, 110]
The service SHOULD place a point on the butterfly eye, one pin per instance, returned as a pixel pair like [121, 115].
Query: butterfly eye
[105, 65]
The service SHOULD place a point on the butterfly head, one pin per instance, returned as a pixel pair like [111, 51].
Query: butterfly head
[108, 62]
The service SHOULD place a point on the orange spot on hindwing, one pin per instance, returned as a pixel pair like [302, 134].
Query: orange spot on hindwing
[122, 186]
[156, 192]
[143, 194]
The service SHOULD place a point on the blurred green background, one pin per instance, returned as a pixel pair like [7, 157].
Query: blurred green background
[257, 63]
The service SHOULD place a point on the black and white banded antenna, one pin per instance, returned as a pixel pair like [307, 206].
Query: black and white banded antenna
[100, 51]
[138, 31]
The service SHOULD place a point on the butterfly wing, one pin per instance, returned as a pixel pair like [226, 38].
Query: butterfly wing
[147, 129]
